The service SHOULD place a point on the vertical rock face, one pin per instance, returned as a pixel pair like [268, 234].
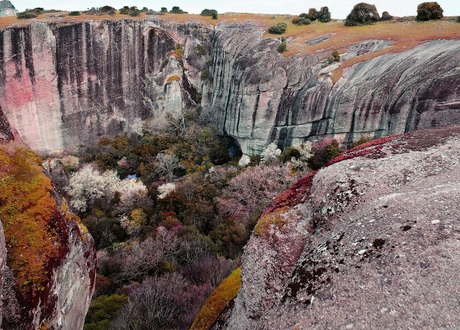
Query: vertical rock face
[262, 97]
[67, 84]
[63, 85]
[369, 242]
[7, 8]
[6, 133]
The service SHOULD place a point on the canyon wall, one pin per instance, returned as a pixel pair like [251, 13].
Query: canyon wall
[68, 84]
[260, 96]
[369, 242]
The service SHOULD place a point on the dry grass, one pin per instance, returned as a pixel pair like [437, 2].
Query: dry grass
[404, 33]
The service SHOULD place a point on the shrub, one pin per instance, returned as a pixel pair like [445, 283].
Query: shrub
[301, 21]
[74, 13]
[102, 310]
[324, 151]
[209, 12]
[386, 16]
[279, 28]
[429, 10]
[324, 15]
[282, 47]
[361, 14]
[26, 15]
[312, 14]
[335, 57]
[177, 10]
[458, 19]
[164, 10]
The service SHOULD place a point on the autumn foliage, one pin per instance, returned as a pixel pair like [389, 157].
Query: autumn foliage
[32, 223]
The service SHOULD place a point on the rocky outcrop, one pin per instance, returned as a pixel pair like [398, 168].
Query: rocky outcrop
[7, 8]
[47, 257]
[6, 133]
[67, 84]
[370, 241]
[261, 96]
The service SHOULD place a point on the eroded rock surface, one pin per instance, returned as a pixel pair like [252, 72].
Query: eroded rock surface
[261, 96]
[67, 84]
[369, 242]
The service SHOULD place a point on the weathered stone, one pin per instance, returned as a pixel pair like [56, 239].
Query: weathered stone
[371, 240]
[66, 85]
[262, 97]
[7, 8]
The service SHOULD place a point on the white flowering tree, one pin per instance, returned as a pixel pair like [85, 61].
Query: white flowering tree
[88, 184]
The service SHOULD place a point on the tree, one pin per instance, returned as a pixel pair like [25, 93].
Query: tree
[88, 185]
[386, 16]
[312, 14]
[361, 14]
[208, 12]
[429, 10]
[324, 151]
[324, 15]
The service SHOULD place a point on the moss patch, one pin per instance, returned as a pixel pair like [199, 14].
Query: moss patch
[219, 299]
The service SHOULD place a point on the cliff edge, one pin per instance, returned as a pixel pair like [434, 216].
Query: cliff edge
[369, 241]
[47, 258]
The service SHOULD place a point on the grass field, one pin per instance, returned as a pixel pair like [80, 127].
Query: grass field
[403, 33]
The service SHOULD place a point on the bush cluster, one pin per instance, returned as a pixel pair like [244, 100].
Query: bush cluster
[323, 15]
[279, 28]
[361, 14]
[30, 13]
[176, 10]
[429, 10]
[209, 12]
[131, 11]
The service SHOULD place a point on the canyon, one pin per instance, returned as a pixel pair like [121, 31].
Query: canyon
[341, 248]
[67, 84]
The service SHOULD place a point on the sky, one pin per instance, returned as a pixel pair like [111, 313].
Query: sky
[338, 8]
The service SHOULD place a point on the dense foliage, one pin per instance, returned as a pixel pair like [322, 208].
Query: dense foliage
[429, 10]
[34, 229]
[30, 13]
[131, 11]
[279, 28]
[170, 214]
[361, 14]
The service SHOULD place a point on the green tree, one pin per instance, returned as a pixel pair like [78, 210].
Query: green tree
[429, 10]
[324, 15]
[312, 14]
[362, 14]
[386, 16]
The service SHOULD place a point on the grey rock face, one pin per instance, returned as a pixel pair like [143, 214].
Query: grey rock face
[63, 85]
[369, 242]
[7, 8]
[262, 97]
[6, 134]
